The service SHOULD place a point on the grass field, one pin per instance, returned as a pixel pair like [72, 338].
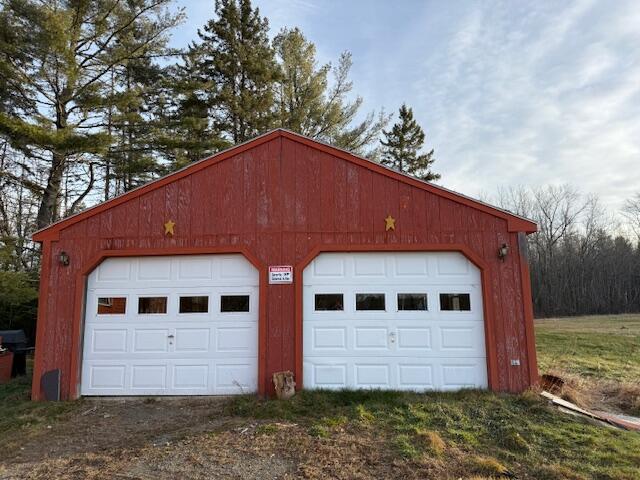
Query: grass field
[603, 347]
[598, 356]
[469, 434]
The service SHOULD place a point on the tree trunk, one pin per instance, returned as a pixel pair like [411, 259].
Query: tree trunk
[48, 210]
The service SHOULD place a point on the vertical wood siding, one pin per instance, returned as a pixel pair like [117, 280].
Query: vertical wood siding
[280, 200]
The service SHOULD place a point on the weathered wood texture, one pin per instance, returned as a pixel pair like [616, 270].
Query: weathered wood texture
[280, 199]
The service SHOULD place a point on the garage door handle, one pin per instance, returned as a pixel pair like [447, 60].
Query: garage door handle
[170, 336]
[392, 337]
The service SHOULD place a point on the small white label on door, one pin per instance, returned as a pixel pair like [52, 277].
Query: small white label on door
[281, 274]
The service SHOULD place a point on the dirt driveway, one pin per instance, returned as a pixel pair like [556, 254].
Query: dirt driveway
[183, 438]
[315, 435]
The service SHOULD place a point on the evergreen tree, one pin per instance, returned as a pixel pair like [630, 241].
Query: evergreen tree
[401, 147]
[308, 103]
[237, 61]
[132, 141]
[185, 130]
[131, 109]
[300, 93]
[58, 78]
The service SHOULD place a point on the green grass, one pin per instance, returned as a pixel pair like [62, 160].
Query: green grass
[17, 412]
[474, 432]
[480, 429]
[604, 347]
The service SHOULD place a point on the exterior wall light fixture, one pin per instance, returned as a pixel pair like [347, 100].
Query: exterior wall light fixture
[64, 258]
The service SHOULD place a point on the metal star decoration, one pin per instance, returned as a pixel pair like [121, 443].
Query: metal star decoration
[390, 223]
[168, 227]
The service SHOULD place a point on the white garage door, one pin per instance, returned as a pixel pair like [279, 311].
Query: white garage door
[406, 321]
[181, 325]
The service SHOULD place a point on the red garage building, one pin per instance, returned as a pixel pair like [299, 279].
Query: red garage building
[395, 283]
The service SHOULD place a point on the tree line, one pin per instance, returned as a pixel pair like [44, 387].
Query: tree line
[581, 263]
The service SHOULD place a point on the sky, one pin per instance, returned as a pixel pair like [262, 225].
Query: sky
[509, 93]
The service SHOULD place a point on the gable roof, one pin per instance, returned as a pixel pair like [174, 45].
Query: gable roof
[515, 223]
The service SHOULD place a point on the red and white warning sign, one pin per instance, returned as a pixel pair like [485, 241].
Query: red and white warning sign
[281, 274]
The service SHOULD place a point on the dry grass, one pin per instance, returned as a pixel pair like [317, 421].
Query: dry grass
[597, 357]
[624, 396]
[488, 466]
[588, 393]
[433, 441]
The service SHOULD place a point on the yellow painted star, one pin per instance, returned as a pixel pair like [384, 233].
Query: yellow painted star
[168, 227]
[390, 223]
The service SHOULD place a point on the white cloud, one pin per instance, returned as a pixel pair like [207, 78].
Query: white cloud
[510, 93]
[549, 97]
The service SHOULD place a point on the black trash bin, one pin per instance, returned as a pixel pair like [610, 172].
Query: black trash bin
[17, 342]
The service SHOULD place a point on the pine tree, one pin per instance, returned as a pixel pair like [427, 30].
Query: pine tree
[300, 93]
[185, 130]
[132, 147]
[403, 143]
[59, 78]
[135, 86]
[307, 102]
[237, 61]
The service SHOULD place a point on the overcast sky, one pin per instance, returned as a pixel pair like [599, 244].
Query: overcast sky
[509, 93]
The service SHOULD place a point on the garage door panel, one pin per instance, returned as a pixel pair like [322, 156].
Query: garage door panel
[453, 264]
[194, 268]
[415, 376]
[462, 375]
[366, 266]
[106, 377]
[462, 338]
[329, 266]
[236, 377]
[410, 266]
[207, 352]
[411, 348]
[192, 340]
[328, 338]
[144, 376]
[191, 377]
[236, 267]
[154, 268]
[116, 270]
[367, 338]
[235, 339]
[372, 375]
[150, 340]
[414, 338]
[330, 375]
[109, 340]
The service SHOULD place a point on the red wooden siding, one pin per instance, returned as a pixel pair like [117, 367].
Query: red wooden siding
[280, 199]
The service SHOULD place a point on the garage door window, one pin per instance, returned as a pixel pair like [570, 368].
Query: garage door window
[112, 305]
[329, 302]
[455, 301]
[198, 304]
[148, 305]
[370, 301]
[234, 303]
[412, 301]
